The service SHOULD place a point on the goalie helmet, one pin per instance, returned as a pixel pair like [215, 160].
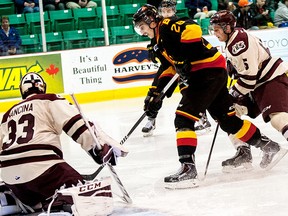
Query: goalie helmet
[224, 18]
[167, 4]
[147, 14]
[32, 83]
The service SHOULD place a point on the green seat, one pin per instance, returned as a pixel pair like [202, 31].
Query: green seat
[86, 18]
[141, 2]
[18, 21]
[127, 11]
[181, 9]
[7, 7]
[54, 41]
[30, 43]
[62, 20]
[205, 23]
[114, 17]
[33, 21]
[120, 2]
[123, 34]
[214, 5]
[142, 38]
[96, 37]
[75, 39]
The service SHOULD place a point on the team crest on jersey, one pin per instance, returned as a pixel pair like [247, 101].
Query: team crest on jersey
[237, 47]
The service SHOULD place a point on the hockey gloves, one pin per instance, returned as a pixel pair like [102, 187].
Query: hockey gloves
[152, 103]
[183, 69]
[110, 148]
[153, 52]
[106, 154]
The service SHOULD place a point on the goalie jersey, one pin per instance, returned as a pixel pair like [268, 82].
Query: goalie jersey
[32, 141]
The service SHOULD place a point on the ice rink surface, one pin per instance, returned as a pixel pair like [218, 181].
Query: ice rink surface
[152, 158]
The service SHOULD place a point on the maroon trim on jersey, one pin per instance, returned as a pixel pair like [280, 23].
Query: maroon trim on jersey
[32, 147]
[78, 132]
[271, 71]
[51, 97]
[71, 122]
[30, 159]
[245, 85]
[237, 45]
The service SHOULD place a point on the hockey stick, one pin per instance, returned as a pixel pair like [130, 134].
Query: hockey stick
[214, 138]
[125, 196]
[90, 177]
[159, 97]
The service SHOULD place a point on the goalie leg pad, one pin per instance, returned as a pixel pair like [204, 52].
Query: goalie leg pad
[92, 198]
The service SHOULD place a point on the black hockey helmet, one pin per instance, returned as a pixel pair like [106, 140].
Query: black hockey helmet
[147, 13]
[32, 83]
[224, 18]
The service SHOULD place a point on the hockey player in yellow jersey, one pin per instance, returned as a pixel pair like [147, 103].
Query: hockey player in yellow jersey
[202, 82]
[32, 164]
[166, 9]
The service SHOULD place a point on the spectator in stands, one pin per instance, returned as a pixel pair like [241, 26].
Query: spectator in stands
[261, 16]
[49, 5]
[74, 4]
[27, 6]
[281, 14]
[199, 8]
[244, 15]
[10, 41]
[226, 5]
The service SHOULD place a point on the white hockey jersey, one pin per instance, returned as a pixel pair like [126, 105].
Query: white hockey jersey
[252, 61]
[30, 136]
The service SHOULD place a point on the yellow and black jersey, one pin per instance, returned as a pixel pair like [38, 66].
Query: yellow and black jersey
[180, 39]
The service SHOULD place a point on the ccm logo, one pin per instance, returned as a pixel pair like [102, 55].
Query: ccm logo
[90, 187]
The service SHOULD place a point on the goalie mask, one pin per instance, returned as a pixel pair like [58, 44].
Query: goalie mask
[147, 14]
[32, 83]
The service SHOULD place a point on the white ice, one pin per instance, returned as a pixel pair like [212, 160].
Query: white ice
[152, 158]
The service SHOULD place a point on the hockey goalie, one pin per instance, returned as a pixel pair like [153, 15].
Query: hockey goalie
[32, 164]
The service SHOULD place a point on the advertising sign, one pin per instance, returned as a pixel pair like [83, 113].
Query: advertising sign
[13, 69]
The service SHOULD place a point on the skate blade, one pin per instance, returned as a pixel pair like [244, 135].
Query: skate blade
[277, 157]
[186, 184]
[245, 167]
[148, 134]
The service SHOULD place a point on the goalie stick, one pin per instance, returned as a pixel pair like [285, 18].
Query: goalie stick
[159, 97]
[125, 196]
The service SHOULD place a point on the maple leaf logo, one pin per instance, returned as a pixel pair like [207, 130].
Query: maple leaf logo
[52, 70]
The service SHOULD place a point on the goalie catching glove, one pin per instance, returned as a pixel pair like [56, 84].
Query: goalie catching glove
[152, 103]
[111, 149]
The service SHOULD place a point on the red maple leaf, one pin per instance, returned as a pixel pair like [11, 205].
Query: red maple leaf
[52, 70]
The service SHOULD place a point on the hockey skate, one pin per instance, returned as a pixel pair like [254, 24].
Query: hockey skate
[149, 127]
[272, 153]
[241, 161]
[186, 177]
[203, 125]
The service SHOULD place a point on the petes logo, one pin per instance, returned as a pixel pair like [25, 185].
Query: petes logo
[236, 48]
